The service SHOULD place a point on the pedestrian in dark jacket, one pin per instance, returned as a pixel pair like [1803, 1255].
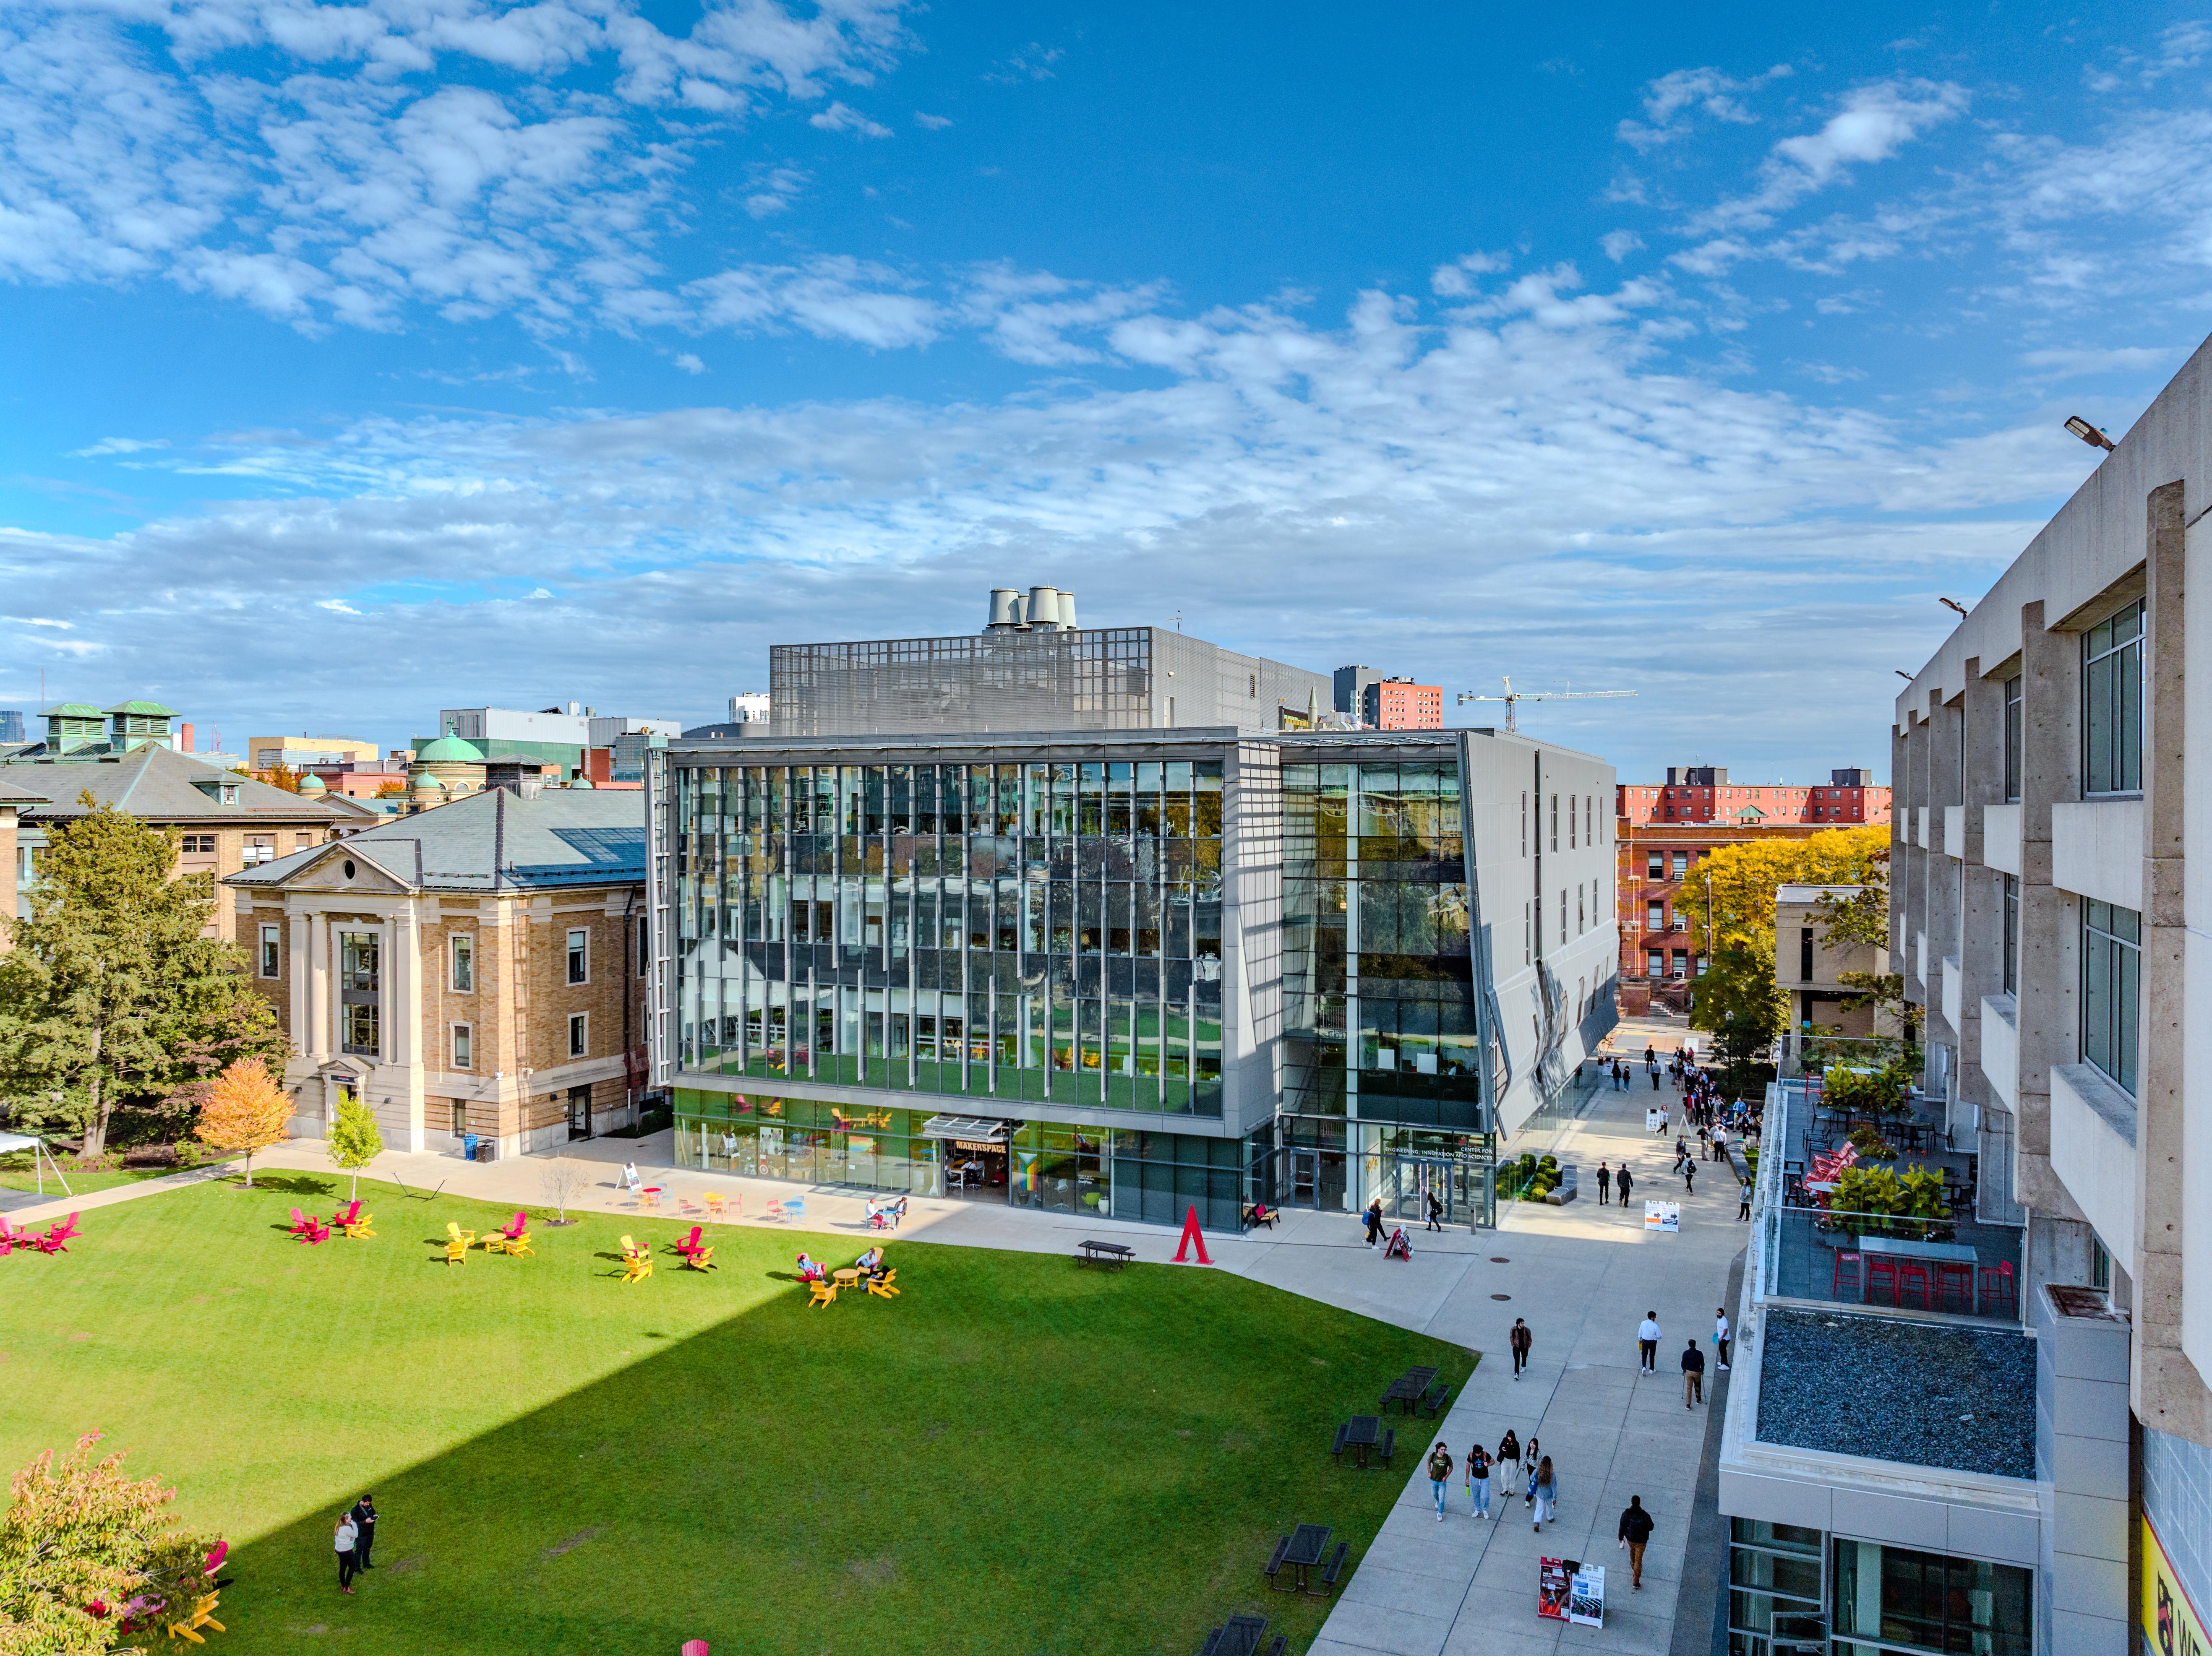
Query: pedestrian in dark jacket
[1604, 1184]
[1693, 1375]
[364, 1518]
[1374, 1222]
[1635, 1534]
[1626, 1180]
[1689, 1178]
[1520, 1340]
[1509, 1454]
[1436, 1212]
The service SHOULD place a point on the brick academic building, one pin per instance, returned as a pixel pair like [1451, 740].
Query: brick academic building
[1664, 829]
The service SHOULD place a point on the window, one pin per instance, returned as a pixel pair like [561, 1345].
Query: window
[644, 945]
[260, 848]
[1562, 917]
[1582, 916]
[1776, 1592]
[579, 956]
[1912, 1600]
[1254, 690]
[1528, 934]
[579, 1044]
[359, 1026]
[462, 1042]
[460, 1118]
[462, 946]
[2010, 967]
[198, 845]
[2111, 704]
[1571, 822]
[2014, 735]
[360, 991]
[1524, 822]
[1681, 962]
[272, 951]
[1655, 963]
[1655, 865]
[1682, 864]
[1555, 822]
[1655, 917]
[1590, 821]
[2101, 1266]
[1804, 954]
[2112, 966]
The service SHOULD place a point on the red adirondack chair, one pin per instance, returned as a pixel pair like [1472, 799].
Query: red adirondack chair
[513, 1230]
[57, 1237]
[350, 1214]
[305, 1229]
[689, 1245]
[11, 1238]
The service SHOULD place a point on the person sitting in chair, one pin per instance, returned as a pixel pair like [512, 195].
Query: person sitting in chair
[871, 1263]
[809, 1271]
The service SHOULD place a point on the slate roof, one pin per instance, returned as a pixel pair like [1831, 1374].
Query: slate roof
[157, 784]
[12, 795]
[563, 837]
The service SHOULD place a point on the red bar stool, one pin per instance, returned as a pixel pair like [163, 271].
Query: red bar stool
[1997, 1289]
[1846, 1274]
[1913, 1279]
[1954, 1276]
[1882, 1274]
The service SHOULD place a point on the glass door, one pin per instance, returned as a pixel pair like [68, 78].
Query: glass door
[1305, 1174]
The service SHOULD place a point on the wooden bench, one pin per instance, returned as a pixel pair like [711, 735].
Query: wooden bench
[1336, 1569]
[1439, 1394]
[1274, 1571]
[1112, 1253]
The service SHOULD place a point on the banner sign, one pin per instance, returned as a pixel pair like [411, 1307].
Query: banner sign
[1586, 1598]
[1554, 1579]
[1667, 1216]
[2169, 1618]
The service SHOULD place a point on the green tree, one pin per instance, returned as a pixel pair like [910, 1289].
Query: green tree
[354, 1141]
[81, 1541]
[110, 992]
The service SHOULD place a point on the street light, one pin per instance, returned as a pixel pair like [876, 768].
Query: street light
[2089, 434]
[1952, 603]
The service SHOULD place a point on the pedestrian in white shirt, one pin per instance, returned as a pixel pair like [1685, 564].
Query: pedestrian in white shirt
[342, 1541]
[1647, 1342]
[1720, 1335]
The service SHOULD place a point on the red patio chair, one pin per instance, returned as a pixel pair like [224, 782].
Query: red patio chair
[11, 1238]
[56, 1240]
[1881, 1274]
[513, 1230]
[689, 1245]
[305, 1229]
[1954, 1276]
[1913, 1279]
[348, 1215]
[1997, 1289]
[694, 1648]
[1846, 1274]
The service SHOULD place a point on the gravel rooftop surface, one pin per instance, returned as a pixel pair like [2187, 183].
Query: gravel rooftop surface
[1928, 1394]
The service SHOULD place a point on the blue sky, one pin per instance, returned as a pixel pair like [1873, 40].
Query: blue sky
[367, 359]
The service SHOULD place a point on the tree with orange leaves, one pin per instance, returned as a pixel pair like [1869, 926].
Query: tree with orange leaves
[245, 1110]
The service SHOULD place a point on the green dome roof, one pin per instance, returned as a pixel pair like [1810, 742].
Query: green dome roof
[312, 783]
[582, 782]
[423, 781]
[450, 750]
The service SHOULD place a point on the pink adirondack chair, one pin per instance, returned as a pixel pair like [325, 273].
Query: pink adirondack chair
[57, 1237]
[513, 1230]
[694, 1648]
[11, 1238]
[689, 1245]
[350, 1214]
[305, 1229]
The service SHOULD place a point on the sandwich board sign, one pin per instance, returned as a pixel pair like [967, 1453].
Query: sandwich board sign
[1662, 1216]
[1554, 1577]
[1586, 1597]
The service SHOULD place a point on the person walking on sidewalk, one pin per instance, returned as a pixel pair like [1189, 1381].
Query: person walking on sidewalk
[1636, 1535]
[1440, 1470]
[1545, 1490]
[1689, 1178]
[1478, 1481]
[1693, 1375]
[1604, 1184]
[1374, 1222]
[1647, 1342]
[1509, 1454]
[1626, 1180]
[1531, 1455]
[1743, 1200]
[1520, 1340]
[1436, 1212]
[1720, 1335]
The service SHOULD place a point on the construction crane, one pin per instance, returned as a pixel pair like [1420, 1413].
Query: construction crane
[1513, 698]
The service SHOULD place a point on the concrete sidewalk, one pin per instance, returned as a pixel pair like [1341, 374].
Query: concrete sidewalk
[1583, 1276]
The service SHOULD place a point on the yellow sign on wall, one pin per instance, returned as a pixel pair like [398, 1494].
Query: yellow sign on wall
[2169, 1618]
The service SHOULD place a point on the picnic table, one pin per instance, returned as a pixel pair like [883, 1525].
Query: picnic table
[1308, 1543]
[1114, 1254]
[1408, 1388]
[1239, 1636]
[1362, 1434]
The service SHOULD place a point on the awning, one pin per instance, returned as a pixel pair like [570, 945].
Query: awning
[981, 1129]
[11, 1142]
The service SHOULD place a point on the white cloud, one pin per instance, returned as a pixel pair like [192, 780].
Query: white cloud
[773, 190]
[1689, 91]
[933, 123]
[120, 445]
[1874, 123]
[1457, 279]
[1620, 244]
[848, 299]
[337, 606]
[2124, 358]
[843, 118]
[1032, 63]
[689, 363]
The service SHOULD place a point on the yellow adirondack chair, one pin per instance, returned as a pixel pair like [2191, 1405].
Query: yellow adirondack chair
[202, 1615]
[824, 1292]
[698, 1259]
[358, 1228]
[518, 1248]
[457, 1243]
[883, 1288]
[637, 1262]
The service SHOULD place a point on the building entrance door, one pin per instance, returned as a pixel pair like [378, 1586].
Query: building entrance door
[579, 1112]
[1414, 1179]
[1317, 1179]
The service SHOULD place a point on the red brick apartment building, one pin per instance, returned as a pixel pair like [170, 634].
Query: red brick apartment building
[1665, 829]
[1399, 704]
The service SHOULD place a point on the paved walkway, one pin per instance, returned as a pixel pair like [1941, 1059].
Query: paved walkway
[1582, 1275]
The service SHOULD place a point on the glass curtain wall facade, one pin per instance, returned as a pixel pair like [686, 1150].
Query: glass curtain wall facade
[1379, 1024]
[1099, 680]
[1010, 932]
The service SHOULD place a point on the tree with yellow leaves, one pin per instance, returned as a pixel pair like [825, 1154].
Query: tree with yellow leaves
[1729, 906]
[245, 1110]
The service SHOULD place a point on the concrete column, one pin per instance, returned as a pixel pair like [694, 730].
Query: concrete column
[1946, 787]
[300, 950]
[8, 857]
[2050, 983]
[2167, 1390]
[320, 1032]
[1901, 794]
[403, 1001]
[1912, 877]
[1981, 942]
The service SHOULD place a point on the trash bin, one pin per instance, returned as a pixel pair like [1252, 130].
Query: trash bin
[486, 1149]
[468, 1147]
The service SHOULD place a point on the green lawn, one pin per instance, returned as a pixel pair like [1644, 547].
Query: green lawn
[1019, 1454]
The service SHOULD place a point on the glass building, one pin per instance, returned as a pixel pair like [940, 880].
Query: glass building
[1118, 972]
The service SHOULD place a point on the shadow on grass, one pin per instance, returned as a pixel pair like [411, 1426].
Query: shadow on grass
[1017, 1457]
[290, 1184]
